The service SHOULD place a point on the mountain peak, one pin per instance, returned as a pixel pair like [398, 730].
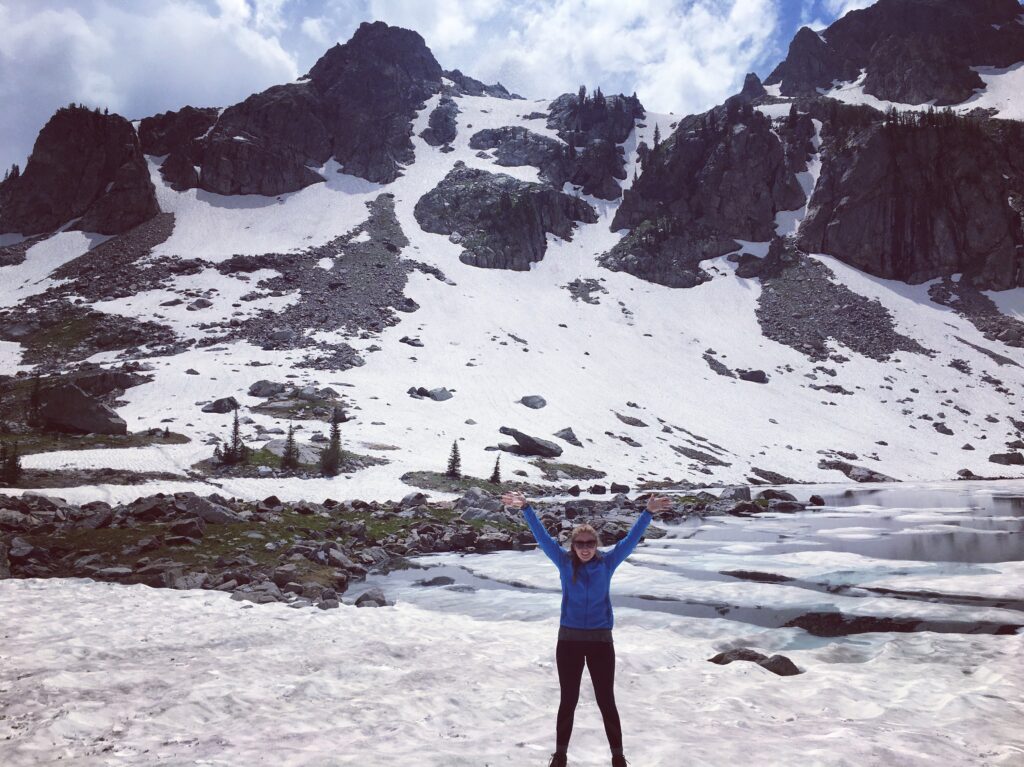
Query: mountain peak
[377, 49]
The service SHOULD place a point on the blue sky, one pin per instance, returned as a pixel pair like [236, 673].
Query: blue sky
[141, 57]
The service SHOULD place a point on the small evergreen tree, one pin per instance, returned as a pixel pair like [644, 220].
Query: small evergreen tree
[454, 462]
[290, 458]
[496, 474]
[167, 432]
[235, 451]
[657, 135]
[35, 400]
[330, 458]
[10, 465]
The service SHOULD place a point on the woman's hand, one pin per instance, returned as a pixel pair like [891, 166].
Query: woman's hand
[658, 503]
[514, 499]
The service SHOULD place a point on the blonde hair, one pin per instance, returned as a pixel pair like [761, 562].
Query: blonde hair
[576, 533]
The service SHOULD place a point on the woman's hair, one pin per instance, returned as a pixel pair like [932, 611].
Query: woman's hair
[576, 533]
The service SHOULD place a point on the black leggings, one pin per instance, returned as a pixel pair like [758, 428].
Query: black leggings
[600, 659]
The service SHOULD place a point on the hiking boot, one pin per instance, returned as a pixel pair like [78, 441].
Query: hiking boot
[619, 761]
[558, 760]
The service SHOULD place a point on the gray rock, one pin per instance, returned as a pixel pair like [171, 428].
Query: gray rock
[210, 512]
[504, 222]
[755, 376]
[222, 405]
[372, 598]
[771, 494]
[533, 401]
[439, 394]
[66, 407]
[735, 493]
[528, 445]
[264, 388]
[569, 436]
[441, 126]
[1007, 459]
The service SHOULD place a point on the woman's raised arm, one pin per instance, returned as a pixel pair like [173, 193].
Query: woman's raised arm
[547, 544]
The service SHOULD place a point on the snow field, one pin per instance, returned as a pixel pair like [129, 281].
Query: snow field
[136, 676]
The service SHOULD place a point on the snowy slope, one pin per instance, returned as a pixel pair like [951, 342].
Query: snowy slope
[643, 344]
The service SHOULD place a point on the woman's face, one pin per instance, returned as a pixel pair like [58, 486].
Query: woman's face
[585, 546]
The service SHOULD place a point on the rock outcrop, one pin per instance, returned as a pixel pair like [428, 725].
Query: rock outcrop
[356, 105]
[467, 86]
[516, 145]
[722, 175]
[593, 126]
[84, 165]
[501, 222]
[917, 198]
[441, 126]
[911, 51]
[66, 407]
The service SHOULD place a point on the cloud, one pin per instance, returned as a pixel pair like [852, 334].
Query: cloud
[136, 59]
[316, 30]
[678, 57]
[839, 8]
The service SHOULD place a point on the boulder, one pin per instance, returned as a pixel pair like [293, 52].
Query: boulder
[372, 598]
[211, 512]
[528, 445]
[222, 405]
[503, 222]
[67, 408]
[777, 664]
[264, 388]
[569, 436]
[735, 493]
[84, 165]
[1007, 459]
[441, 127]
[533, 401]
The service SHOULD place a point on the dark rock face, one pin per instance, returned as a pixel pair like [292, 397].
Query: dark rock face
[263, 145]
[914, 51]
[528, 445]
[500, 221]
[515, 145]
[67, 408]
[84, 164]
[721, 175]
[441, 127]
[593, 126]
[924, 199]
[355, 105]
[168, 131]
[467, 86]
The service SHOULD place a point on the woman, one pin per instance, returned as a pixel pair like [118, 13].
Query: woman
[585, 633]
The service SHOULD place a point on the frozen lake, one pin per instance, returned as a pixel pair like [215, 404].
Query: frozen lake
[901, 605]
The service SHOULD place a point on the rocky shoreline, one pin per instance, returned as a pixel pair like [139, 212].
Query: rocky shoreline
[303, 554]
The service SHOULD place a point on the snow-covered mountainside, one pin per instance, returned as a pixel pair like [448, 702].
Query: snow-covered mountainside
[767, 292]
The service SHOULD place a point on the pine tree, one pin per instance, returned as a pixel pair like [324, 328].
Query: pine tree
[235, 451]
[10, 465]
[330, 458]
[454, 462]
[167, 432]
[657, 135]
[496, 474]
[35, 400]
[290, 458]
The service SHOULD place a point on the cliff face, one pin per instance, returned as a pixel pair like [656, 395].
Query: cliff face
[84, 164]
[501, 222]
[721, 175]
[356, 105]
[913, 51]
[922, 198]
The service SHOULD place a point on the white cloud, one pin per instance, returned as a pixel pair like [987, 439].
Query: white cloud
[136, 59]
[316, 30]
[839, 8]
[444, 24]
[678, 57]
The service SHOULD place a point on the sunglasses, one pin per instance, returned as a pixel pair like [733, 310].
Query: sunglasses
[588, 544]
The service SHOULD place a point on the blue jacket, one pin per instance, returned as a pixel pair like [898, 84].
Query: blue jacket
[585, 603]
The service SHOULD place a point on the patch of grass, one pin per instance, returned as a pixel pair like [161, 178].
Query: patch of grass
[298, 409]
[63, 336]
[551, 471]
[51, 441]
[435, 480]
